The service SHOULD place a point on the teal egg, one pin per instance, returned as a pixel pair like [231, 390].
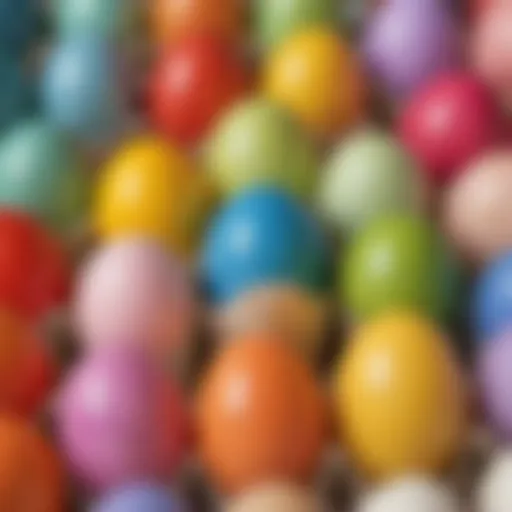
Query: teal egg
[105, 18]
[42, 175]
[399, 262]
[367, 176]
[278, 20]
[258, 143]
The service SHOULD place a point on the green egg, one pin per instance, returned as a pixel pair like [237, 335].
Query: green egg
[276, 20]
[42, 175]
[399, 262]
[258, 143]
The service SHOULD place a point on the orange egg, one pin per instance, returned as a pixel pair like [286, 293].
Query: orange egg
[30, 472]
[261, 416]
[172, 20]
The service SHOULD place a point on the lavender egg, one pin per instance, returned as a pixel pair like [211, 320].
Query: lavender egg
[408, 42]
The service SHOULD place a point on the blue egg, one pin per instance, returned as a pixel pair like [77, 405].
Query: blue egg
[106, 18]
[264, 236]
[492, 301]
[16, 98]
[18, 24]
[143, 498]
[82, 89]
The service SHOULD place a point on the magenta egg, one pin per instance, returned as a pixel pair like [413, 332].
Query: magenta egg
[134, 292]
[450, 121]
[119, 420]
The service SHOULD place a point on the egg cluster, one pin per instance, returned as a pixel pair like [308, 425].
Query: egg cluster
[255, 254]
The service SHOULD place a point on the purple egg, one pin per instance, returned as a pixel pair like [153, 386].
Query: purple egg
[408, 42]
[120, 421]
[134, 292]
[494, 371]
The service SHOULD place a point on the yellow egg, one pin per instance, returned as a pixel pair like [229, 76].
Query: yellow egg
[150, 188]
[401, 400]
[316, 76]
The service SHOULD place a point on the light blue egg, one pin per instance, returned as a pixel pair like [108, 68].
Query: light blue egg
[264, 236]
[82, 89]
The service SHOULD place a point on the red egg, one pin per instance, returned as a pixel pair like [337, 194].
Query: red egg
[449, 122]
[34, 270]
[27, 372]
[192, 84]
[40, 377]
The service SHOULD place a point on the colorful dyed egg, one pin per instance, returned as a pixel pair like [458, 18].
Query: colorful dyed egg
[401, 400]
[119, 420]
[251, 146]
[133, 292]
[261, 416]
[315, 75]
[263, 237]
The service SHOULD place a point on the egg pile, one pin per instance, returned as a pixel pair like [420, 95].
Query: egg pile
[255, 256]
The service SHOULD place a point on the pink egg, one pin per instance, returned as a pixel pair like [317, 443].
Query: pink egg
[134, 292]
[119, 420]
[492, 47]
[478, 207]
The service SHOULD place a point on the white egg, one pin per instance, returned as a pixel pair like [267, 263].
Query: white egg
[276, 498]
[494, 493]
[418, 494]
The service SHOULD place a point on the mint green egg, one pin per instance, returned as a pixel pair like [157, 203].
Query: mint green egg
[276, 20]
[399, 262]
[259, 143]
[367, 176]
[103, 18]
[42, 175]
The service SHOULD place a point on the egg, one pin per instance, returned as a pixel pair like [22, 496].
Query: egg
[260, 416]
[138, 497]
[250, 146]
[400, 397]
[150, 188]
[399, 261]
[368, 175]
[494, 382]
[289, 313]
[491, 299]
[418, 493]
[315, 75]
[494, 493]
[120, 420]
[132, 292]
[263, 237]
[476, 205]
[275, 497]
